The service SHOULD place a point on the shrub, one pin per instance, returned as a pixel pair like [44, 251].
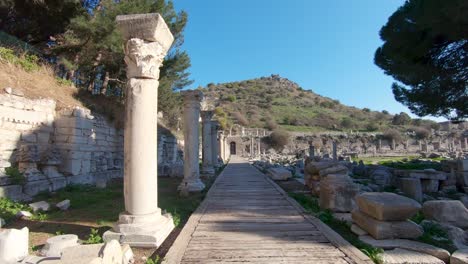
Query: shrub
[422, 133]
[9, 209]
[231, 98]
[240, 119]
[392, 134]
[367, 110]
[94, 237]
[279, 139]
[64, 82]
[372, 126]
[15, 175]
[271, 124]
[28, 62]
[347, 122]
[385, 112]
[401, 119]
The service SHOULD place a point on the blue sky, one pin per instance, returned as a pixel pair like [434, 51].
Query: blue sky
[325, 46]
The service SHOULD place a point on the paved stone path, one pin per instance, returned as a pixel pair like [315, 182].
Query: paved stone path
[247, 218]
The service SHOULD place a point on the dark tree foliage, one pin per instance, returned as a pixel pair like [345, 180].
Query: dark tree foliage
[401, 119]
[426, 50]
[36, 21]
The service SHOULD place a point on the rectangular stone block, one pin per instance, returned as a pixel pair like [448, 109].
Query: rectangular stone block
[58, 183]
[386, 230]
[35, 187]
[43, 137]
[71, 166]
[430, 186]
[412, 188]
[150, 27]
[387, 206]
[462, 165]
[13, 192]
[429, 175]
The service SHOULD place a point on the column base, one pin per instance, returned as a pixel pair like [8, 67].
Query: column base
[146, 231]
[191, 186]
[207, 171]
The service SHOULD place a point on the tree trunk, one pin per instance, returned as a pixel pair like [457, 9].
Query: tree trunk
[105, 83]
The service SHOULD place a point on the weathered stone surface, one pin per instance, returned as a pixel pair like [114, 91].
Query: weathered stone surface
[337, 193]
[386, 230]
[14, 245]
[402, 256]
[63, 205]
[439, 253]
[428, 174]
[24, 214]
[345, 217]
[382, 176]
[451, 212]
[112, 253]
[387, 206]
[412, 188]
[459, 257]
[430, 186]
[358, 231]
[40, 260]
[40, 206]
[55, 245]
[13, 192]
[127, 255]
[143, 58]
[279, 174]
[458, 236]
[336, 169]
[81, 254]
[150, 27]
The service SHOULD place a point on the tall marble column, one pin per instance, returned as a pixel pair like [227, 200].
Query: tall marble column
[207, 147]
[191, 181]
[214, 142]
[147, 41]
[222, 149]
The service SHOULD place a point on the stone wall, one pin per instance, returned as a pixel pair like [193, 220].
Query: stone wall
[52, 149]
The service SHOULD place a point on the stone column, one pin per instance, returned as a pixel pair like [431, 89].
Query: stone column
[214, 142]
[252, 151]
[147, 41]
[259, 152]
[335, 154]
[191, 181]
[207, 148]
[311, 151]
[221, 145]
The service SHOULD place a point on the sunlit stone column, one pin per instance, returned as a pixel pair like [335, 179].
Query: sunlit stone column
[191, 181]
[147, 41]
[214, 142]
[222, 149]
[207, 148]
[259, 152]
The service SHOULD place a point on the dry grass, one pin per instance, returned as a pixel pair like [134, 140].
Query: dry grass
[37, 84]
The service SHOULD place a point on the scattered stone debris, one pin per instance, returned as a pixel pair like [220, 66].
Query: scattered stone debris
[63, 205]
[447, 211]
[14, 245]
[40, 206]
[55, 245]
[400, 256]
[24, 214]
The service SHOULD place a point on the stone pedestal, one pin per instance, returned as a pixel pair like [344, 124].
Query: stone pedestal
[207, 148]
[142, 224]
[191, 181]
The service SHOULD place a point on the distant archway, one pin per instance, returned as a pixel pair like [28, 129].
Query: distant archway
[232, 148]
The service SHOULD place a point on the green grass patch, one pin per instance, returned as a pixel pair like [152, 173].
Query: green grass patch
[311, 205]
[28, 62]
[9, 209]
[437, 236]
[15, 175]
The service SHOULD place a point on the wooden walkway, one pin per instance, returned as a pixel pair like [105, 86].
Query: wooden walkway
[247, 218]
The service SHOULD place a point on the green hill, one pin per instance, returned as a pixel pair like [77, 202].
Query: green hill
[274, 101]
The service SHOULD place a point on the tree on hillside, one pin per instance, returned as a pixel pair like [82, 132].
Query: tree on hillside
[36, 21]
[401, 119]
[93, 44]
[426, 50]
